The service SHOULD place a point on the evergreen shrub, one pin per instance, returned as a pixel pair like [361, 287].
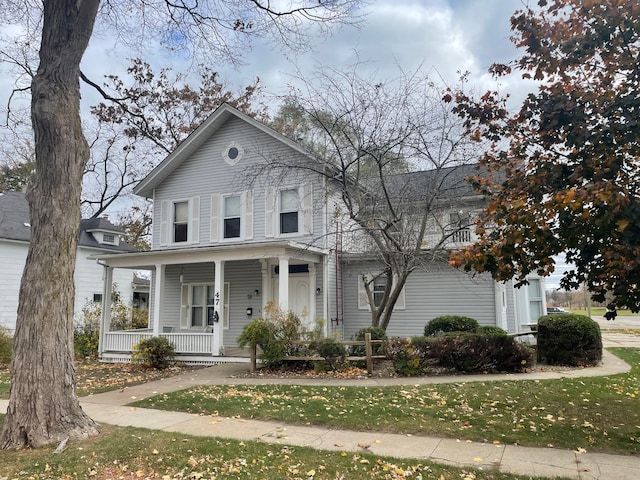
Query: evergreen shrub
[450, 323]
[569, 339]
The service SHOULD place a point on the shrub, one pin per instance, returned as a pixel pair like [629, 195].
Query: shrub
[569, 339]
[154, 352]
[274, 335]
[410, 356]
[377, 333]
[86, 331]
[450, 323]
[471, 352]
[331, 350]
[466, 352]
[6, 346]
[491, 330]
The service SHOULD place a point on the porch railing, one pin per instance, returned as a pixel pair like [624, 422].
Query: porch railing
[184, 343]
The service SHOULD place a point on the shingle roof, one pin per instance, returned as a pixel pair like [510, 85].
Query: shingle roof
[14, 224]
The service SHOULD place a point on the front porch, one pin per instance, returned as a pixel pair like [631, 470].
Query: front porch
[191, 348]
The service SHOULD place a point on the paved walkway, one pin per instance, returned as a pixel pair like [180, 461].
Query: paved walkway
[110, 407]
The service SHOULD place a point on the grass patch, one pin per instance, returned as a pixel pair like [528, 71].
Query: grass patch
[4, 382]
[129, 453]
[599, 414]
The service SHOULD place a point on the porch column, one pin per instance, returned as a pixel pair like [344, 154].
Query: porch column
[312, 295]
[158, 292]
[218, 328]
[283, 286]
[105, 315]
[267, 288]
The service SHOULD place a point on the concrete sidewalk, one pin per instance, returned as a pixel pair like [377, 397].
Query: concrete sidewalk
[110, 407]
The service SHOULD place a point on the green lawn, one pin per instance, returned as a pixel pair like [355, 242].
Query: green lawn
[600, 311]
[599, 414]
[129, 453]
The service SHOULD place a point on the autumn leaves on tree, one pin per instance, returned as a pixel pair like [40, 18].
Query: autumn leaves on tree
[564, 168]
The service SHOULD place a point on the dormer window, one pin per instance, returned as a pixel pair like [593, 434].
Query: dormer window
[109, 238]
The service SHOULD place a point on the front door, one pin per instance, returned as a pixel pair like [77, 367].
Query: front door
[299, 298]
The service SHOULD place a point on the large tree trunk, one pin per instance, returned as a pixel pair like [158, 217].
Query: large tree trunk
[43, 406]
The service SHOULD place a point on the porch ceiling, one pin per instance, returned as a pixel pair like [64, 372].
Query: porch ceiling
[231, 252]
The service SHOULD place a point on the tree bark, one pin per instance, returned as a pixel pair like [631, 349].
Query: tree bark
[43, 405]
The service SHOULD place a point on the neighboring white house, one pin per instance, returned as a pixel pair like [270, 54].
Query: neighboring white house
[97, 235]
[225, 244]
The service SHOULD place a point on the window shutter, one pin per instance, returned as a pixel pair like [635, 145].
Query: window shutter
[215, 221]
[164, 223]
[248, 215]
[306, 195]
[194, 221]
[184, 307]
[269, 220]
[363, 300]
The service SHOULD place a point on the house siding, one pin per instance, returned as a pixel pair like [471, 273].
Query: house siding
[206, 173]
[13, 256]
[89, 280]
[428, 294]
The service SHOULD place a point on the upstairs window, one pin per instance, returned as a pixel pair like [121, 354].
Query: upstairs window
[232, 215]
[109, 238]
[289, 202]
[180, 221]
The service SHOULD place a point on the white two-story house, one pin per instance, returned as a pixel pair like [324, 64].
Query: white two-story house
[231, 236]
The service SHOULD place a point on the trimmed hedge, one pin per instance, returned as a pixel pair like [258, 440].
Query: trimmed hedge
[569, 339]
[450, 323]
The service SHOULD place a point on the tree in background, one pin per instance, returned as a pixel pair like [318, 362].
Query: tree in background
[391, 152]
[43, 406]
[564, 168]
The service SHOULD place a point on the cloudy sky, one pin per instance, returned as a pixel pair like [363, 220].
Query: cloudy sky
[441, 36]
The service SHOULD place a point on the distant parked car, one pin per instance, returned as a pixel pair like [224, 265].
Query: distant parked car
[552, 310]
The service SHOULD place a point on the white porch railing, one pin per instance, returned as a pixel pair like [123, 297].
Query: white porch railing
[184, 343]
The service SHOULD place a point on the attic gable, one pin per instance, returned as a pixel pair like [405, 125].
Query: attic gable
[196, 139]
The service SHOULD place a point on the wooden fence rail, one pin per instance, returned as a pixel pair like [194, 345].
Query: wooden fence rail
[369, 357]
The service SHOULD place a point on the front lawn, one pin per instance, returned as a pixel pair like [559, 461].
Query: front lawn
[96, 377]
[597, 414]
[129, 453]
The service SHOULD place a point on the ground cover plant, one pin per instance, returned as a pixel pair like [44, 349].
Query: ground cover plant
[129, 453]
[597, 414]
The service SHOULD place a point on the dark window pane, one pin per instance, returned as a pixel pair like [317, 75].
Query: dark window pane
[289, 222]
[231, 227]
[180, 232]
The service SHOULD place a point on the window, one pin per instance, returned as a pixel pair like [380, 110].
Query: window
[534, 291]
[379, 285]
[180, 221]
[202, 306]
[97, 298]
[377, 289]
[109, 238]
[289, 201]
[232, 213]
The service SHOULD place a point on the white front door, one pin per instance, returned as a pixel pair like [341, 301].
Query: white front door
[299, 298]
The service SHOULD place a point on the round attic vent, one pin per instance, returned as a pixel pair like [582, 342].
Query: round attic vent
[232, 154]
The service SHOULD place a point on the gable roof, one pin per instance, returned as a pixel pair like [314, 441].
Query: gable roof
[216, 120]
[15, 218]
